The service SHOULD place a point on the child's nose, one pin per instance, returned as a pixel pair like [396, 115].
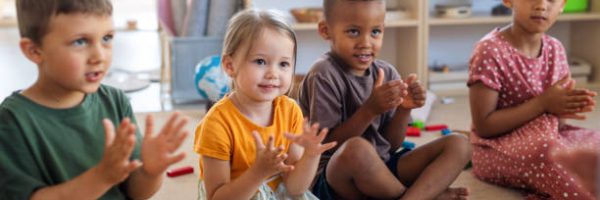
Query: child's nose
[98, 54]
[540, 5]
[271, 72]
[364, 41]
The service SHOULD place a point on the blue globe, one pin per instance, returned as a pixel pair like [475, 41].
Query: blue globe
[212, 82]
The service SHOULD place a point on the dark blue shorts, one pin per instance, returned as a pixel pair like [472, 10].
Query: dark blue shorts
[323, 191]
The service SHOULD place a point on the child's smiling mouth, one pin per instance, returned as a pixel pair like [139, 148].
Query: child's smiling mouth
[364, 57]
[94, 76]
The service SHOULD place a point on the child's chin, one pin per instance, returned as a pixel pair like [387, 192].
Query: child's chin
[90, 89]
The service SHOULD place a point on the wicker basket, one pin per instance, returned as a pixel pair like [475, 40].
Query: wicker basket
[307, 15]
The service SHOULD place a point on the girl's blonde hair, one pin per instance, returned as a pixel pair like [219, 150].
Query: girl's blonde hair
[247, 25]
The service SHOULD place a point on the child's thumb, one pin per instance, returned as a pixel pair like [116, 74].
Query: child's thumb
[109, 132]
[563, 81]
[571, 84]
[411, 79]
[380, 77]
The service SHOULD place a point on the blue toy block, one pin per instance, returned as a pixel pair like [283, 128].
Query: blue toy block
[446, 131]
[408, 145]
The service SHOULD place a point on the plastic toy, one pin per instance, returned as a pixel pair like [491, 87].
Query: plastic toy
[413, 132]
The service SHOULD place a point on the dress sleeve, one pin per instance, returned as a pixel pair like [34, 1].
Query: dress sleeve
[484, 66]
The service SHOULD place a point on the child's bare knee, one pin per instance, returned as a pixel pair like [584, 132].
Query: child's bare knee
[356, 150]
[459, 144]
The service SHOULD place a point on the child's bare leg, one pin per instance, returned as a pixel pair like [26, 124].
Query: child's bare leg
[430, 169]
[355, 171]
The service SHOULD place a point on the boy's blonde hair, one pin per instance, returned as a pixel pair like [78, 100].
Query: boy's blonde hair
[34, 15]
[248, 24]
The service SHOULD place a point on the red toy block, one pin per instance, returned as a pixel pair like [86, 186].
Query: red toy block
[180, 171]
[436, 127]
[413, 131]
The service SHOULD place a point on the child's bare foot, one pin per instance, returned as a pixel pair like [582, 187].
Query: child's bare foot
[460, 193]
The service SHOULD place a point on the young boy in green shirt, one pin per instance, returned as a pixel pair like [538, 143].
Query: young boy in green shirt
[57, 139]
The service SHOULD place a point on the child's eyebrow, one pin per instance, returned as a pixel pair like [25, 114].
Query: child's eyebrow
[86, 35]
[265, 55]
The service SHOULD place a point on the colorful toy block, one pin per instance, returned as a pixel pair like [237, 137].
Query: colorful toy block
[408, 145]
[446, 131]
[436, 127]
[418, 124]
[413, 132]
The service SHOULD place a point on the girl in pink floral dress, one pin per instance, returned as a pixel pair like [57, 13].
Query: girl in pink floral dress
[520, 89]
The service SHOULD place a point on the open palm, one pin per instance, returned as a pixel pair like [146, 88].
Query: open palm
[158, 151]
[310, 140]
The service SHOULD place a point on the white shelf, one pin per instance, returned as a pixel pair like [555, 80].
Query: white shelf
[8, 22]
[388, 24]
[480, 19]
[438, 77]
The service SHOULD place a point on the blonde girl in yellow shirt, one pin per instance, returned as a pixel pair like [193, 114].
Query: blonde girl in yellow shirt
[254, 143]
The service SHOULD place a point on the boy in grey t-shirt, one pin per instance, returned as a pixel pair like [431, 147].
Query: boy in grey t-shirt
[367, 106]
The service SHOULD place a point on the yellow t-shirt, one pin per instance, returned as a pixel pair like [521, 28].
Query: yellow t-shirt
[226, 134]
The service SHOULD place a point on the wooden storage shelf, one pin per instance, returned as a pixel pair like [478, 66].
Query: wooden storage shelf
[480, 19]
[388, 24]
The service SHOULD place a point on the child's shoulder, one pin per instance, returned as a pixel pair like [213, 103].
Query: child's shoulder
[494, 39]
[325, 66]
[109, 91]
[387, 67]
[286, 102]
[552, 42]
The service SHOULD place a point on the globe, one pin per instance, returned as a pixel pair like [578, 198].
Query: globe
[212, 83]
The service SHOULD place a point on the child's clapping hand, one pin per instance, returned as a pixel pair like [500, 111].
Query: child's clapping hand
[115, 165]
[563, 100]
[269, 160]
[158, 151]
[310, 140]
[385, 96]
[416, 93]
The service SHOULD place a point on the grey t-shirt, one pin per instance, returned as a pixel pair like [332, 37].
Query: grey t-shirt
[330, 94]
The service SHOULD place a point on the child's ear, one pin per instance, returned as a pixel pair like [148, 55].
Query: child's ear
[324, 30]
[227, 65]
[31, 50]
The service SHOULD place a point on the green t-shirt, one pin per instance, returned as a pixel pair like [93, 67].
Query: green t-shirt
[41, 146]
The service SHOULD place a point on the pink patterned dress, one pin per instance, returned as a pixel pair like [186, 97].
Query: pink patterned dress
[520, 159]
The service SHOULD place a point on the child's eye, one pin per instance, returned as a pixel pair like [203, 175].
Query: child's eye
[260, 61]
[376, 32]
[79, 42]
[352, 32]
[107, 39]
[285, 64]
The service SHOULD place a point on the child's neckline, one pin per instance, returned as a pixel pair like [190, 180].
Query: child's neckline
[502, 39]
[230, 101]
[81, 106]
